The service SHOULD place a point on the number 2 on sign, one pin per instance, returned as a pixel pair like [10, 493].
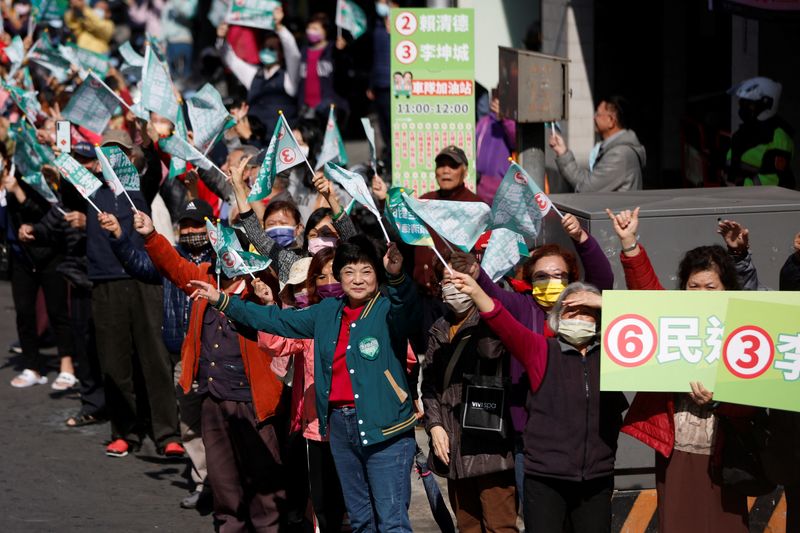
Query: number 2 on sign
[748, 352]
[406, 23]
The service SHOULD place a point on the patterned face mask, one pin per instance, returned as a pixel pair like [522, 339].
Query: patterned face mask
[194, 242]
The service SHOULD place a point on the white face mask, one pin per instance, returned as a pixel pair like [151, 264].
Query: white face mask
[304, 150]
[459, 303]
[101, 13]
[577, 332]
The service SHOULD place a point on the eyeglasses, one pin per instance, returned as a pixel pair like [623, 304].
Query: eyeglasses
[546, 276]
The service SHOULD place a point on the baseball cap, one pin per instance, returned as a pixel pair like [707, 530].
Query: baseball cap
[197, 210]
[453, 152]
[120, 137]
[298, 273]
[84, 149]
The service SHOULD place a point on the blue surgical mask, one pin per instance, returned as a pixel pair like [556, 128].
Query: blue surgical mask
[282, 235]
[381, 9]
[268, 56]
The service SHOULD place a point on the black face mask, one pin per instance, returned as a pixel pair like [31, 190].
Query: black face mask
[194, 243]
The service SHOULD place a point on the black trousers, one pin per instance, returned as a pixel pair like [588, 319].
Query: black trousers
[127, 317]
[244, 467]
[25, 285]
[549, 503]
[326, 491]
[87, 365]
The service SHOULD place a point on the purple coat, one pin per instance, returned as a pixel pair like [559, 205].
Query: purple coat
[524, 308]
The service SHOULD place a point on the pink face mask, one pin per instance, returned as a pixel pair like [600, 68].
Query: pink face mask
[318, 243]
[314, 36]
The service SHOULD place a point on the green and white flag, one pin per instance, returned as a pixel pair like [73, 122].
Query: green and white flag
[410, 227]
[39, 184]
[332, 144]
[85, 59]
[354, 184]
[27, 80]
[350, 17]
[72, 171]
[26, 101]
[181, 149]
[119, 173]
[29, 154]
[158, 95]
[15, 51]
[131, 56]
[156, 46]
[48, 9]
[503, 252]
[240, 263]
[460, 223]
[252, 13]
[221, 237]
[208, 116]
[515, 204]
[370, 132]
[50, 59]
[92, 106]
[177, 165]
[282, 153]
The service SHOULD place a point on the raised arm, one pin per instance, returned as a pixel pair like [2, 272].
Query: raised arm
[595, 263]
[244, 71]
[737, 238]
[291, 54]
[639, 272]
[405, 312]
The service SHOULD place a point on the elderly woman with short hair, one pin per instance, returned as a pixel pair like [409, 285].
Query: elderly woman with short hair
[572, 429]
[363, 399]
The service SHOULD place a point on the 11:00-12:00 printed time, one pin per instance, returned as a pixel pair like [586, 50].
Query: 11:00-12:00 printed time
[434, 109]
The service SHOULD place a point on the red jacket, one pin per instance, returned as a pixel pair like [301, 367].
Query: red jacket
[264, 385]
[651, 418]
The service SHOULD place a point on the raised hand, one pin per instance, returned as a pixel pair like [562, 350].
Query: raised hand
[76, 219]
[573, 228]
[700, 395]
[143, 224]
[583, 299]
[626, 224]
[467, 285]
[464, 262]
[556, 142]
[393, 260]
[322, 184]
[736, 236]
[263, 292]
[379, 188]
[204, 291]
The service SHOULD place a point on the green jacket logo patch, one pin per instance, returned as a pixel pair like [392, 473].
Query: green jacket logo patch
[369, 348]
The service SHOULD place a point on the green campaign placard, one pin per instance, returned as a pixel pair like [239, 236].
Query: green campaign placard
[744, 346]
[761, 355]
[432, 92]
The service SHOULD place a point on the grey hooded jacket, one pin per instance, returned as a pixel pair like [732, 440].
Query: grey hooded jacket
[618, 167]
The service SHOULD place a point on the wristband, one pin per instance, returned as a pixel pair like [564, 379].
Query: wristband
[630, 248]
[338, 215]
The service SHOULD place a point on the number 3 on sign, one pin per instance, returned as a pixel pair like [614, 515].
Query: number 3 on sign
[406, 52]
[405, 23]
[748, 352]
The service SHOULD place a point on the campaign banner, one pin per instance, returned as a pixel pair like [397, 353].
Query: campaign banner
[515, 204]
[433, 92]
[92, 106]
[252, 13]
[744, 346]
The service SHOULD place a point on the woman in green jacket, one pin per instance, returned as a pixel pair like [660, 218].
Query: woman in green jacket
[363, 398]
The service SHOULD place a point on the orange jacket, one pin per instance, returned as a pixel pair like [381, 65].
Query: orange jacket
[264, 385]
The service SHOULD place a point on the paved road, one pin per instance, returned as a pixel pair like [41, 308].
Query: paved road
[53, 478]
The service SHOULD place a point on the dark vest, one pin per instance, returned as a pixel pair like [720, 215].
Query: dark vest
[268, 96]
[572, 427]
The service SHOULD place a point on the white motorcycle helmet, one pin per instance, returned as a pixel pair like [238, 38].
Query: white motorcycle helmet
[762, 90]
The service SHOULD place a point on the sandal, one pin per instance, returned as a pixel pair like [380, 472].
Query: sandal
[64, 381]
[27, 379]
[83, 419]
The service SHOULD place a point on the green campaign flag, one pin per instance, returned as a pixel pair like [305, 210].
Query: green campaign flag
[252, 13]
[29, 154]
[240, 263]
[354, 184]
[739, 344]
[48, 9]
[410, 227]
[50, 59]
[177, 165]
[92, 106]
[220, 237]
[158, 95]
[460, 223]
[27, 80]
[370, 133]
[15, 51]
[85, 59]
[350, 17]
[118, 171]
[26, 101]
[72, 171]
[131, 56]
[208, 116]
[156, 48]
[515, 206]
[332, 144]
[179, 148]
[39, 184]
[282, 153]
[503, 252]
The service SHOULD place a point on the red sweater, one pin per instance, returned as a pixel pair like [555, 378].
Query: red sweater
[264, 385]
[341, 388]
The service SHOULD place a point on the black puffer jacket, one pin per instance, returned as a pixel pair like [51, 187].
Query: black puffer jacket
[471, 453]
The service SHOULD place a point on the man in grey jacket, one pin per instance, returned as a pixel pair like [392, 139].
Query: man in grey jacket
[615, 164]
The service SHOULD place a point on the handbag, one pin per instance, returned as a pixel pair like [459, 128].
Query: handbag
[742, 467]
[484, 401]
